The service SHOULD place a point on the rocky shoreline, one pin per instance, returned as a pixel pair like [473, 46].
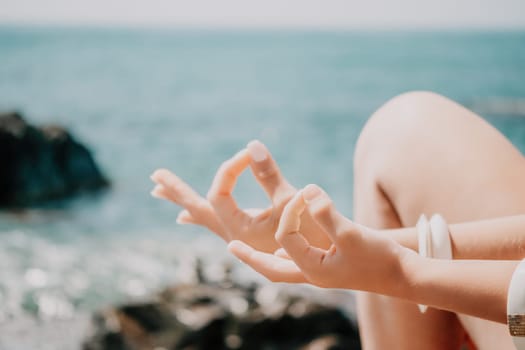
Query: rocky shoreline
[44, 163]
[224, 315]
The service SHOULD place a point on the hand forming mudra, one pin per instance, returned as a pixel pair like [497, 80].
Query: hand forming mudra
[327, 249]
[396, 181]
[322, 247]
[219, 211]
[358, 257]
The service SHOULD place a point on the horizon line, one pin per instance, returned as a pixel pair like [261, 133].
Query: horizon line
[257, 27]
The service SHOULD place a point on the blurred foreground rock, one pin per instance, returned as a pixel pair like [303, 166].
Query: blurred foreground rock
[39, 164]
[225, 315]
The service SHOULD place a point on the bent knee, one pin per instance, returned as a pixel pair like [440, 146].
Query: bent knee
[416, 148]
[383, 150]
[398, 124]
[420, 124]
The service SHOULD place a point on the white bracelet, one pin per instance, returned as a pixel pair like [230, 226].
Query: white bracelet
[516, 306]
[424, 245]
[433, 240]
[440, 238]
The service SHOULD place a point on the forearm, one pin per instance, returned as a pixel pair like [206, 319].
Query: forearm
[497, 239]
[473, 287]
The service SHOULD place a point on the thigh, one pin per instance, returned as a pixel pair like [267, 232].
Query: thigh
[436, 156]
[487, 335]
[426, 154]
[390, 323]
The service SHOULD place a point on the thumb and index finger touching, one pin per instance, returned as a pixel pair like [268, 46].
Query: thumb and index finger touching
[220, 195]
[255, 155]
[305, 258]
[266, 172]
[309, 259]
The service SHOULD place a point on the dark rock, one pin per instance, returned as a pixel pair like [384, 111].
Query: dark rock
[40, 164]
[288, 332]
[152, 317]
[109, 340]
[211, 336]
[224, 315]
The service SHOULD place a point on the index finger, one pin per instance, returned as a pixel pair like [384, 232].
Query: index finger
[220, 193]
[323, 211]
[306, 256]
[180, 192]
[275, 268]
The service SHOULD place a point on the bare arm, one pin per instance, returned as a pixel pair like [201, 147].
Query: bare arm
[473, 287]
[495, 239]
[363, 259]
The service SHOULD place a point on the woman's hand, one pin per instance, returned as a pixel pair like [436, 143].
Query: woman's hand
[363, 259]
[220, 213]
[358, 258]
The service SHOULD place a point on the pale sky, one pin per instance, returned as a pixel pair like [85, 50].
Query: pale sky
[272, 13]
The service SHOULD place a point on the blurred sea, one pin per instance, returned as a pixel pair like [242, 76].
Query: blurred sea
[187, 100]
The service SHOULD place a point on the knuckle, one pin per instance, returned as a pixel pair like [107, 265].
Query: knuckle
[213, 197]
[200, 208]
[344, 236]
[341, 227]
[267, 173]
[224, 168]
[283, 196]
[322, 207]
[242, 222]
[346, 229]
[227, 168]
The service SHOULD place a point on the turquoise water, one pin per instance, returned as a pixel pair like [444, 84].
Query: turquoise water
[187, 100]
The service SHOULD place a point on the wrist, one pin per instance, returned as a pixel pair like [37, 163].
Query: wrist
[406, 236]
[400, 274]
[411, 267]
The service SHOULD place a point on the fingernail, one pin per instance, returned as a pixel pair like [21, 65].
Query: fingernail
[257, 151]
[154, 175]
[181, 220]
[310, 192]
[155, 195]
[155, 192]
[237, 246]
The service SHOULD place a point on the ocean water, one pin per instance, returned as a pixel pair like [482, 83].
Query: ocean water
[187, 100]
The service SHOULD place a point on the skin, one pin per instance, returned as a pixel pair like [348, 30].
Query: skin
[220, 213]
[346, 263]
[396, 181]
[423, 153]
[477, 240]
[362, 259]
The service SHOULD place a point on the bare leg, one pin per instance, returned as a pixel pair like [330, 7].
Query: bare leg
[422, 153]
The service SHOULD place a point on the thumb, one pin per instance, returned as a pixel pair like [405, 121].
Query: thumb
[282, 254]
